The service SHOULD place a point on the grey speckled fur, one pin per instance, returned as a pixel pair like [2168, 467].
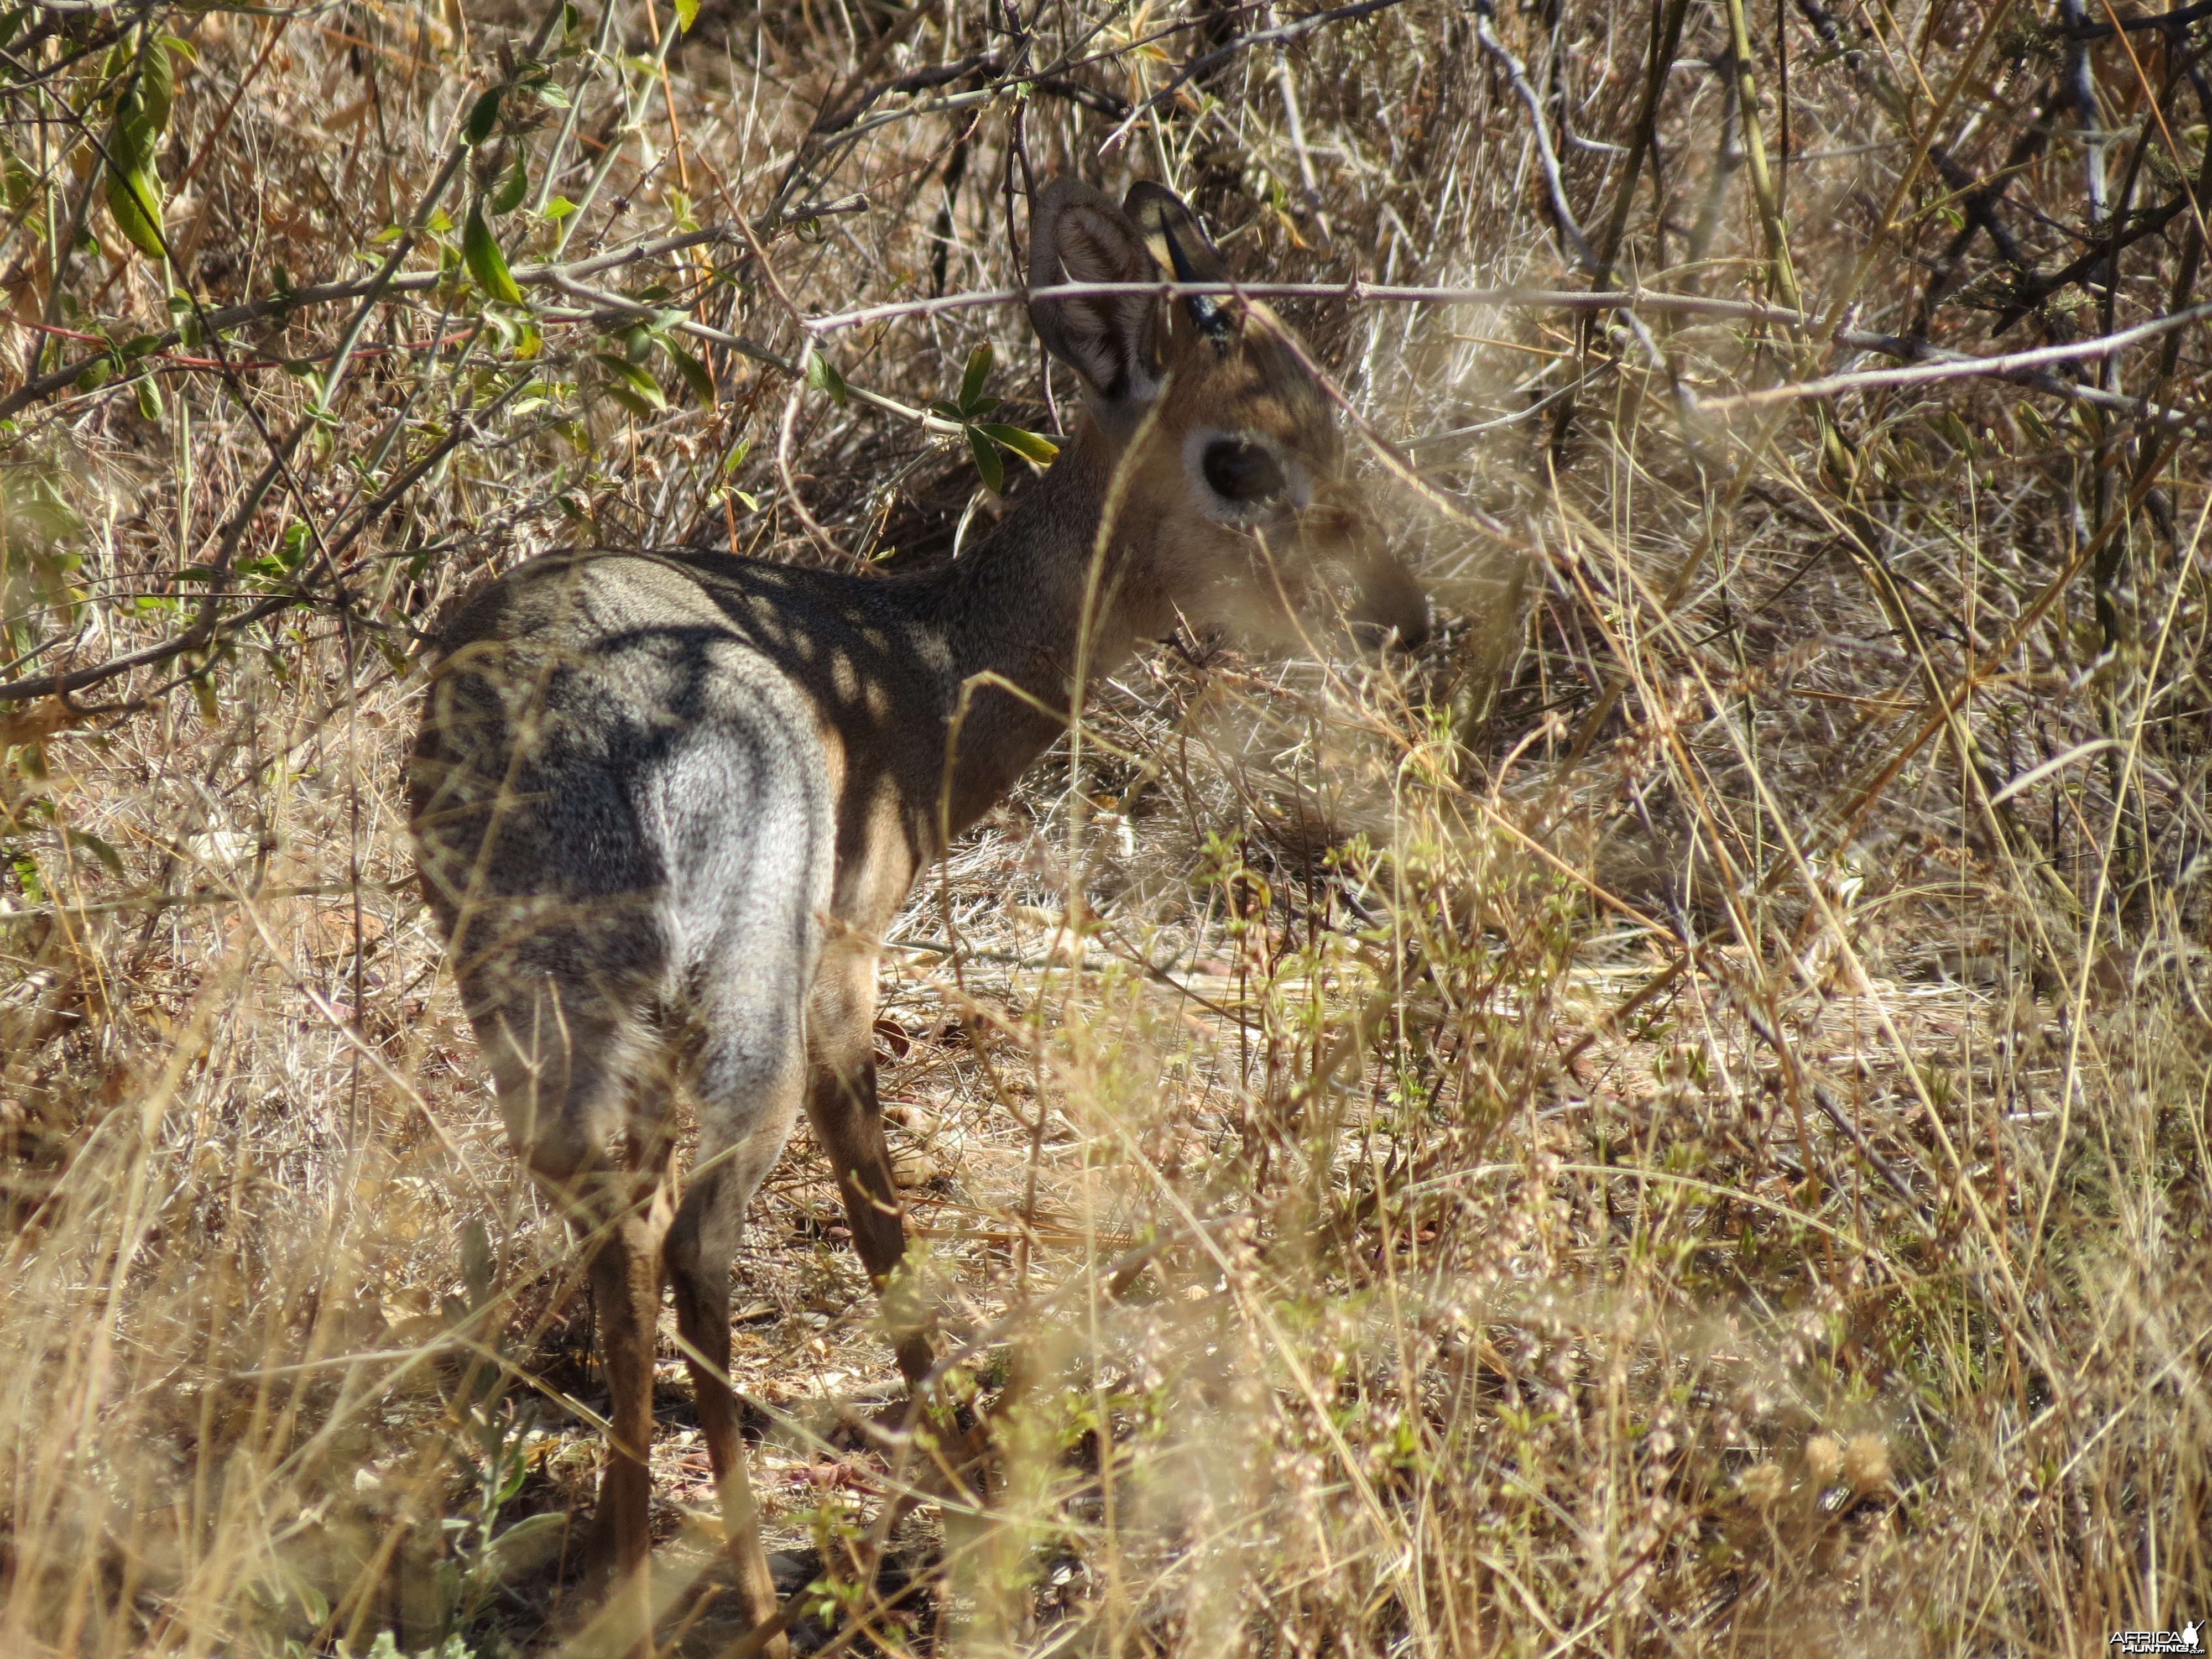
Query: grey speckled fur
[670, 828]
[666, 805]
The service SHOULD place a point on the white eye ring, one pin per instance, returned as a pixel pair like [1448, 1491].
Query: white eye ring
[1213, 460]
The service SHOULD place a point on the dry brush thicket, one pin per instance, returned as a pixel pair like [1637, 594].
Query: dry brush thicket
[1672, 1122]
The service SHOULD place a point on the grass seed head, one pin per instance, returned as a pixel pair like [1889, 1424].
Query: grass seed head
[1824, 1461]
[1762, 1485]
[1866, 1464]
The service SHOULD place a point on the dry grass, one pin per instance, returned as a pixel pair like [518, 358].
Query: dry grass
[1673, 1123]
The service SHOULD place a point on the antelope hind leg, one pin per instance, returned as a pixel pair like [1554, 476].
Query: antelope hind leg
[748, 1075]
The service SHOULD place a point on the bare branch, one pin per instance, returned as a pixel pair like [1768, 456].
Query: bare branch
[1962, 369]
[1570, 230]
[1355, 292]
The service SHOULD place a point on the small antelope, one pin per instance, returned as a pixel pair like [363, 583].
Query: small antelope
[666, 804]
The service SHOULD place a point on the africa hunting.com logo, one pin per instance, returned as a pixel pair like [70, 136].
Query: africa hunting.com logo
[2188, 1639]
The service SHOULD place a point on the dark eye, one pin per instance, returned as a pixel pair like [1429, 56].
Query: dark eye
[1242, 472]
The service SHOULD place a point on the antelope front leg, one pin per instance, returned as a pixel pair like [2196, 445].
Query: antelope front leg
[841, 1105]
[849, 1123]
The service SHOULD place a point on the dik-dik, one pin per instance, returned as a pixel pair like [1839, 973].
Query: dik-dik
[666, 804]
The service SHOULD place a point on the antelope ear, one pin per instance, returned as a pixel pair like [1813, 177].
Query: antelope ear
[1171, 232]
[1112, 341]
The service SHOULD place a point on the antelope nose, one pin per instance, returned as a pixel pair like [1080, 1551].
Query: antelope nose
[1392, 604]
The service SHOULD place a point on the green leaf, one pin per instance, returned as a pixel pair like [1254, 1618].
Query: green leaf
[509, 196]
[85, 841]
[312, 1601]
[687, 13]
[625, 375]
[822, 374]
[480, 248]
[526, 1544]
[96, 374]
[27, 867]
[559, 208]
[157, 82]
[552, 96]
[134, 199]
[986, 459]
[971, 382]
[483, 116]
[130, 147]
[477, 1261]
[149, 399]
[1030, 446]
[628, 397]
[694, 372]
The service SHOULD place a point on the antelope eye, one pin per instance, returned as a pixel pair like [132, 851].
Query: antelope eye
[1239, 472]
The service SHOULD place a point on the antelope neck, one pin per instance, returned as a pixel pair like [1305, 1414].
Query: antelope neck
[1014, 608]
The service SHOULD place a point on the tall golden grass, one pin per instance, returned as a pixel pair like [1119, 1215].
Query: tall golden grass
[1672, 1122]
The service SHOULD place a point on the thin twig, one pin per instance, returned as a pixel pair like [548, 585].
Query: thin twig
[2032, 293]
[1912, 348]
[1665, 43]
[1563, 215]
[1962, 369]
[1353, 293]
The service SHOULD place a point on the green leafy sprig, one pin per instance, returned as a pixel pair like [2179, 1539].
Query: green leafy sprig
[986, 438]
